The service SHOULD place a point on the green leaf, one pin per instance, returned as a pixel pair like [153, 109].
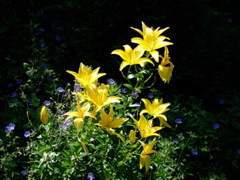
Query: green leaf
[129, 86]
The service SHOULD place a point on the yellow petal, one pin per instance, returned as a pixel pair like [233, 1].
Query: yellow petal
[132, 136]
[44, 115]
[78, 123]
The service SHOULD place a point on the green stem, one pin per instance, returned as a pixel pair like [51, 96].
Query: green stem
[182, 150]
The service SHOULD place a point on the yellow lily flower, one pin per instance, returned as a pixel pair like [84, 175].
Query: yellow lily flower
[145, 127]
[44, 115]
[131, 56]
[163, 122]
[151, 40]
[166, 67]
[99, 96]
[144, 158]
[108, 122]
[82, 112]
[156, 108]
[78, 123]
[132, 136]
[86, 77]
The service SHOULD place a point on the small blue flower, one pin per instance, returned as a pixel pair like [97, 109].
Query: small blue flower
[60, 89]
[135, 94]
[9, 128]
[150, 95]
[41, 29]
[24, 173]
[58, 38]
[216, 126]
[181, 136]
[65, 94]
[123, 90]
[42, 44]
[194, 152]
[175, 140]
[59, 28]
[14, 94]
[10, 84]
[111, 81]
[63, 112]
[238, 150]
[46, 103]
[30, 101]
[49, 79]
[77, 88]
[19, 82]
[90, 176]
[221, 101]
[41, 12]
[44, 66]
[229, 20]
[27, 134]
[65, 125]
[178, 121]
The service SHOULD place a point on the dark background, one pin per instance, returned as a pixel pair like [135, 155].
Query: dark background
[205, 34]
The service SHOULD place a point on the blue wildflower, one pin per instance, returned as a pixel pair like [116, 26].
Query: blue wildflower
[178, 121]
[41, 29]
[10, 84]
[181, 137]
[221, 101]
[49, 79]
[111, 81]
[27, 134]
[65, 125]
[14, 94]
[77, 88]
[135, 94]
[194, 152]
[24, 172]
[59, 28]
[123, 90]
[9, 128]
[44, 66]
[58, 38]
[90, 176]
[63, 112]
[41, 12]
[216, 126]
[238, 150]
[60, 89]
[175, 140]
[150, 95]
[46, 103]
[229, 20]
[42, 44]
[65, 94]
[19, 82]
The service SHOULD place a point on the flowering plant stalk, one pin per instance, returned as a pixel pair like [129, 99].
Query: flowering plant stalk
[96, 99]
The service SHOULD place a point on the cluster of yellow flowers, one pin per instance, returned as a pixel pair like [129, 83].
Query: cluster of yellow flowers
[151, 41]
[95, 96]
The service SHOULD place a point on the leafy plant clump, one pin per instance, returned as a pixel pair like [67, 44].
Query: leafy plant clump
[111, 130]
